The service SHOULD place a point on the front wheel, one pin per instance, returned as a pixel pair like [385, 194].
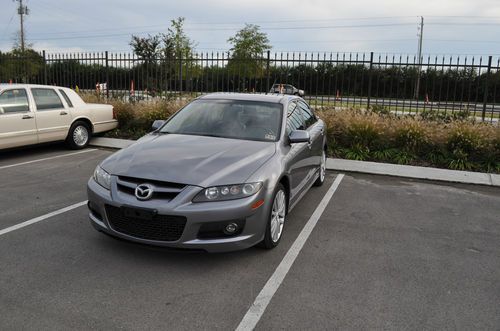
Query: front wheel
[322, 170]
[276, 220]
[78, 135]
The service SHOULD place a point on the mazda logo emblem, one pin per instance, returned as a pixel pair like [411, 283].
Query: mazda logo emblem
[144, 192]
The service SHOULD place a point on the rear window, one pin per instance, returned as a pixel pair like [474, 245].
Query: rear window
[46, 99]
[65, 96]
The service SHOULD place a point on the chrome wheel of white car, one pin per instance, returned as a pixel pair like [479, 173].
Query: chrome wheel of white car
[278, 214]
[322, 170]
[78, 135]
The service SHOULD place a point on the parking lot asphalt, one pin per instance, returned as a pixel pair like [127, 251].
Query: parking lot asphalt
[387, 253]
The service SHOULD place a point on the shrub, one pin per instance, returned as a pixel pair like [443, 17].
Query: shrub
[411, 135]
[135, 119]
[466, 138]
[361, 135]
[357, 152]
[451, 143]
[384, 154]
[379, 109]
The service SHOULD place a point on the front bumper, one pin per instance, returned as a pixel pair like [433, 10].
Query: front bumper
[196, 214]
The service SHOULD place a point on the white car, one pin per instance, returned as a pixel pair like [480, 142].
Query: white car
[33, 114]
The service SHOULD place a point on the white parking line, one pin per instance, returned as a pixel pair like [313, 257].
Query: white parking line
[47, 158]
[258, 307]
[41, 218]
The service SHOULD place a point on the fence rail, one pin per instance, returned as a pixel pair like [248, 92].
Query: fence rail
[396, 83]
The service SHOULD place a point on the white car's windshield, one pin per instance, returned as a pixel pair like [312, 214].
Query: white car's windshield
[235, 119]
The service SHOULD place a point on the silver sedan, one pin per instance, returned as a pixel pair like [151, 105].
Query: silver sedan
[221, 174]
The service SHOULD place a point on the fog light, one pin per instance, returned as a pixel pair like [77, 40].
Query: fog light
[231, 228]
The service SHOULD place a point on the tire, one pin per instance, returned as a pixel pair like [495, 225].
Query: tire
[277, 214]
[79, 135]
[322, 170]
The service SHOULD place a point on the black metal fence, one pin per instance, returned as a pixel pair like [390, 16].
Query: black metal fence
[397, 83]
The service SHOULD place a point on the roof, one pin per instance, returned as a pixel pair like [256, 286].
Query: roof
[275, 98]
[5, 85]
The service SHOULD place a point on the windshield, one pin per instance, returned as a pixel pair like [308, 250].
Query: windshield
[235, 119]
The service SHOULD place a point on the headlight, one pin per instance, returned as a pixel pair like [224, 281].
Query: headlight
[102, 178]
[228, 192]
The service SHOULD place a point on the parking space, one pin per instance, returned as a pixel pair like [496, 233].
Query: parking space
[397, 254]
[386, 253]
[49, 181]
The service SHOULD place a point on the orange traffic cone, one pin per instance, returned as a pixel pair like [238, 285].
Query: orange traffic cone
[426, 99]
[132, 91]
[337, 97]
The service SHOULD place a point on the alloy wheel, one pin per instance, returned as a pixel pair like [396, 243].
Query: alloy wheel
[80, 135]
[278, 215]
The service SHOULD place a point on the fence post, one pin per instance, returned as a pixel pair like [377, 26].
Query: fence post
[44, 68]
[180, 73]
[485, 98]
[370, 81]
[267, 71]
[107, 76]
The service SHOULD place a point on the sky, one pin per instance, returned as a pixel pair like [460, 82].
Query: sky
[451, 27]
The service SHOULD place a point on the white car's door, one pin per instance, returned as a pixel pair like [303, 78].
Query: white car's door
[17, 120]
[52, 118]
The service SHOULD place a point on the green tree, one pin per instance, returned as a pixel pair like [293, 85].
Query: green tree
[171, 52]
[147, 48]
[19, 66]
[178, 51]
[176, 43]
[248, 46]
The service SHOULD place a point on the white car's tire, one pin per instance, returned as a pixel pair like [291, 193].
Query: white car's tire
[79, 135]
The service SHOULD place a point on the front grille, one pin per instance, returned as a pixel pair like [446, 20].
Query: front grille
[162, 190]
[159, 228]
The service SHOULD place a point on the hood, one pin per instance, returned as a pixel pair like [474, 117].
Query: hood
[192, 160]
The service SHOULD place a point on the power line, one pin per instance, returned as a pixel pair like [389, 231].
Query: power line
[232, 29]
[8, 24]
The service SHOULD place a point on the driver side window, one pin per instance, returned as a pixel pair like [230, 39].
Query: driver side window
[294, 120]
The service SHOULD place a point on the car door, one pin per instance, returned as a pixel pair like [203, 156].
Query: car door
[298, 154]
[52, 118]
[316, 132]
[17, 120]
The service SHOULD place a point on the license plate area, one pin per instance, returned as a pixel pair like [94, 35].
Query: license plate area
[140, 213]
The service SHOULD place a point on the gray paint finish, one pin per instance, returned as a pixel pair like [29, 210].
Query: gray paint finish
[205, 161]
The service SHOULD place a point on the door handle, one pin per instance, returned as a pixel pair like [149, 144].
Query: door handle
[27, 117]
[63, 113]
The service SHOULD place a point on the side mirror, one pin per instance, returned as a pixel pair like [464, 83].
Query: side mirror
[299, 136]
[157, 124]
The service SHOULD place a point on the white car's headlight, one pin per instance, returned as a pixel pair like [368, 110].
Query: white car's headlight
[102, 178]
[228, 192]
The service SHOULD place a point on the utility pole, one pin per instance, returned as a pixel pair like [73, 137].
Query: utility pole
[21, 11]
[420, 36]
